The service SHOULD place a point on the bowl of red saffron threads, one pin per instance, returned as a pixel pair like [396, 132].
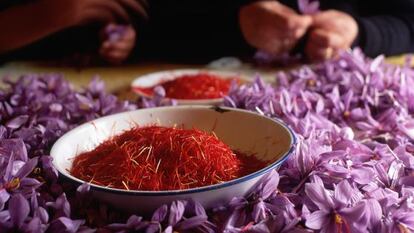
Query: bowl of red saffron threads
[187, 86]
[139, 160]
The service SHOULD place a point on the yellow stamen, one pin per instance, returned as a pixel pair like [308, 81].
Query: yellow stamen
[347, 114]
[13, 184]
[338, 219]
[311, 82]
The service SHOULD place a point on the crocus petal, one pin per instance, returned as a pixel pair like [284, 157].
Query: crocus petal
[261, 227]
[48, 167]
[236, 217]
[83, 189]
[268, 185]
[160, 214]
[395, 172]
[329, 227]
[259, 212]
[406, 218]
[27, 168]
[198, 209]
[176, 212]
[64, 224]
[17, 122]
[134, 222]
[191, 223]
[27, 185]
[153, 227]
[362, 175]
[42, 214]
[3, 132]
[9, 168]
[4, 197]
[17, 165]
[61, 206]
[34, 226]
[19, 209]
[319, 196]
[159, 91]
[354, 214]
[407, 180]
[357, 114]
[15, 145]
[343, 192]
[84, 102]
[96, 85]
[122, 227]
[374, 212]
[317, 219]
[169, 229]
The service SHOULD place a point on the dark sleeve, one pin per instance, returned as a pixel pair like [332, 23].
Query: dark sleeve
[188, 29]
[386, 27]
[386, 34]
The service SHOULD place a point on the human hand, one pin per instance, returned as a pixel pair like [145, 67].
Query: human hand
[78, 12]
[331, 32]
[118, 42]
[272, 27]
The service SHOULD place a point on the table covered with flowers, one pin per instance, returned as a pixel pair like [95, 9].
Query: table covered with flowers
[352, 170]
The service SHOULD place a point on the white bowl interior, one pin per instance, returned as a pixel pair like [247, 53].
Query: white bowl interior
[241, 130]
[153, 79]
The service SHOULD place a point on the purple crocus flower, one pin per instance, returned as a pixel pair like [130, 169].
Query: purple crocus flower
[115, 32]
[308, 6]
[182, 216]
[14, 176]
[333, 210]
[389, 178]
[398, 218]
[282, 207]
[157, 100]
[341, 166]
[308, 157]
[188, 216]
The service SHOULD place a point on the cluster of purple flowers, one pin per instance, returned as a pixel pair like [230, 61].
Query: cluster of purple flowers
[353, 167]
[34, 111]
[352, 170]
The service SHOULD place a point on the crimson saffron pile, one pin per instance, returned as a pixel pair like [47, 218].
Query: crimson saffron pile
[194, 86]
[162, 158]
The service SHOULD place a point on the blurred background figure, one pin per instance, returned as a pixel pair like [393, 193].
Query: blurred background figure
[201, 30]
[55, 28]
[378, 27]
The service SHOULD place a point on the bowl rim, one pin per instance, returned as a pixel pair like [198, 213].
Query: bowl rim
[268, 168]
[224, 73]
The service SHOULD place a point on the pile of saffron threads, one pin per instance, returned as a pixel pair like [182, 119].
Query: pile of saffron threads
[194, 86]
[158, 158]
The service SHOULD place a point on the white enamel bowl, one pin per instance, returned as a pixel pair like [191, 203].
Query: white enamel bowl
[153, 79]
[266, 138]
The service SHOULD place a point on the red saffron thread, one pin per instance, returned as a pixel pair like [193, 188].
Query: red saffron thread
[161, 158]
[195, 86]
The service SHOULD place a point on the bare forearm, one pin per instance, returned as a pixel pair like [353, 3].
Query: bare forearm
[25, 24]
